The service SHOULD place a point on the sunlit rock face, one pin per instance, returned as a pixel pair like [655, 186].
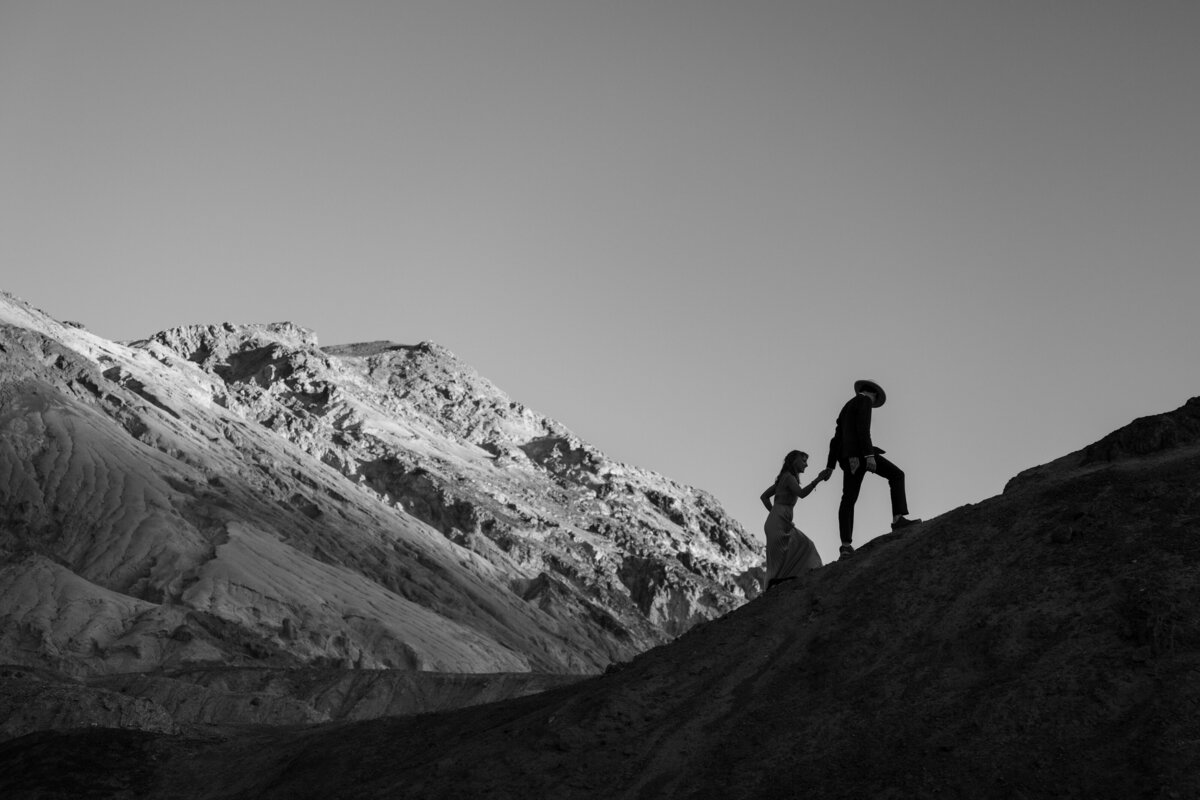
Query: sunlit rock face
[239, 495]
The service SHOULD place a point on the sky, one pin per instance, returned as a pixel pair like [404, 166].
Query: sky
[682, 229]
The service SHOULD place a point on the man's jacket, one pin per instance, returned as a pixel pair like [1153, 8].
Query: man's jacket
[852, 437]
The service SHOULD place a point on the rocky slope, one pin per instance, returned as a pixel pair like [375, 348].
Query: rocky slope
[1044, 643]
[219, 496]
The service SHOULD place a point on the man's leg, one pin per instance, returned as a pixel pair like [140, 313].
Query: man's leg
[851, 484]
[895, 478]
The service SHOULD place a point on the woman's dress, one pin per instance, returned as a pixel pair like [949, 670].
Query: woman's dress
[789, 552]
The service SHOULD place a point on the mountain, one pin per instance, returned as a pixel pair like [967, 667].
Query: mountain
[1044, 643]
[237, 496]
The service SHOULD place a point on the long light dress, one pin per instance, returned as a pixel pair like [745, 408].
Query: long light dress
[790, 553]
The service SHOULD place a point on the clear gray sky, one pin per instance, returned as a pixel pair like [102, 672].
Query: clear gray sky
[681, 228]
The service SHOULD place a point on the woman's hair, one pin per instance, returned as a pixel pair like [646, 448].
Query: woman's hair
[789, 458]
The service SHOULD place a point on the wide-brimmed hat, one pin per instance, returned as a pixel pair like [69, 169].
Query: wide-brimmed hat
[866, 385]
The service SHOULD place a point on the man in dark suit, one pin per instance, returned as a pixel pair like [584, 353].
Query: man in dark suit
[852, 450]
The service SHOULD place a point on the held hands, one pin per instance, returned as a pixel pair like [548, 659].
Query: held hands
[823, 475]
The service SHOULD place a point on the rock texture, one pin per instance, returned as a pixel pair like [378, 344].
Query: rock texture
[198, 699]
[1044, 643]
[35, 700]
[224, 495]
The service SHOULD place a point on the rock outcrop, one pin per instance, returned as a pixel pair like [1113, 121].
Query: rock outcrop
[1158, 434]
[218, 496]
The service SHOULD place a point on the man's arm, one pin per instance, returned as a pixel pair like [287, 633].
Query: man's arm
[862, 428]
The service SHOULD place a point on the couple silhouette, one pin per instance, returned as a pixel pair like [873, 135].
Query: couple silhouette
[790, 553]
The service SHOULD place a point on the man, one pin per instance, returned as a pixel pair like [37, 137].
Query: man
[851, 449]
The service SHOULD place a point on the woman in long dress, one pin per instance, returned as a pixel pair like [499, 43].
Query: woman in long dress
[789, 552]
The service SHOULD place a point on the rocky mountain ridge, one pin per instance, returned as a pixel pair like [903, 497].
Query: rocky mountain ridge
[218, 496]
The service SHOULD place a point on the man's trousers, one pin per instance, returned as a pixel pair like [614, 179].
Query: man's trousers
[851, 484]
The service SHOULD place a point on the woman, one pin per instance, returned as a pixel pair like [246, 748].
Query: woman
[789, 551]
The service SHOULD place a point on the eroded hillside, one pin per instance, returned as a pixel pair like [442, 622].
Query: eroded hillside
[219, 496]
[1044, 643]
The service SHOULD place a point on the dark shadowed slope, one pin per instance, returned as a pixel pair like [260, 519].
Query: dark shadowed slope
[1042, 644]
